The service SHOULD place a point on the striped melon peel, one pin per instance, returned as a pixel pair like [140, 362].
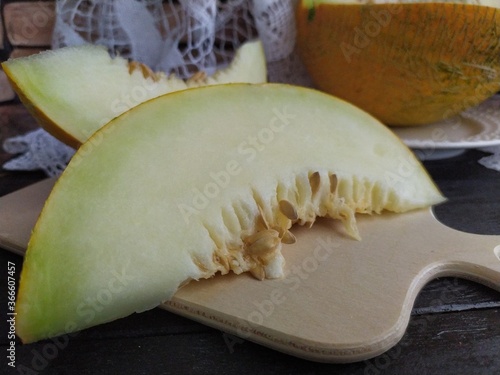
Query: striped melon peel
[211, 182]
[73, 91]
[405, 62]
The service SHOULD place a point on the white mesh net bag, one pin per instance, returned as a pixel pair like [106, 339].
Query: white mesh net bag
[180, 37]
[184, 36]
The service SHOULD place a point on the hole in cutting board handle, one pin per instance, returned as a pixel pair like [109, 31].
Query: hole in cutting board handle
[471, 190]
[496, 251]
[460, 218]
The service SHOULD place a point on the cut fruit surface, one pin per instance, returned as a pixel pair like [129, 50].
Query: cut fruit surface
[73, 91]
[211, 183]
[405, 62]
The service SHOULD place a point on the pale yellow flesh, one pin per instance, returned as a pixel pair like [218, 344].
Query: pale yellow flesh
[141, 210]
[73, 91]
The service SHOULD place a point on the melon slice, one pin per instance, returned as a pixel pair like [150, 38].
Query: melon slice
[407, 62]
[199, 182]
[73, 91]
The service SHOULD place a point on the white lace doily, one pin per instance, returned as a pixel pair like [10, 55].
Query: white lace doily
[38, 150]
[178, 37]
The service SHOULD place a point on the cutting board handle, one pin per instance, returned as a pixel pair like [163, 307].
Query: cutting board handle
[459, 254]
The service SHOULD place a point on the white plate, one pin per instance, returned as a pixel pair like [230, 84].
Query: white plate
[477, 127]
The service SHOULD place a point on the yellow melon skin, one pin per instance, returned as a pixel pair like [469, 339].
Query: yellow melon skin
[405, 63]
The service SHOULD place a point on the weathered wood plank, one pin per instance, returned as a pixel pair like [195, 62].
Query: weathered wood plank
[23, 52]
[6, 91]
[454, 294]
[2, 37]
[445, 344]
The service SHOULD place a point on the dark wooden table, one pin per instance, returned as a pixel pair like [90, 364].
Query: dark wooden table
[454, 328]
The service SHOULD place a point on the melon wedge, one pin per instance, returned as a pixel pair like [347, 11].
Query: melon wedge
[199, 182]
[405, 62]
[73, 91]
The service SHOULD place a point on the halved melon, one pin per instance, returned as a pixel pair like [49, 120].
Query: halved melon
[405, 62]
[73, 91]
[198, 182]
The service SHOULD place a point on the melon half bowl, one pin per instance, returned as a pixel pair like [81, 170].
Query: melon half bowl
[404, 62]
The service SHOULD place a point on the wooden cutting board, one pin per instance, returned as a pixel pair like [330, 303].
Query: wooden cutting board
[341, 301]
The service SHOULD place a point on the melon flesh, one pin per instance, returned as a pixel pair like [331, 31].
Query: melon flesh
[73, 91]
[198, 182]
